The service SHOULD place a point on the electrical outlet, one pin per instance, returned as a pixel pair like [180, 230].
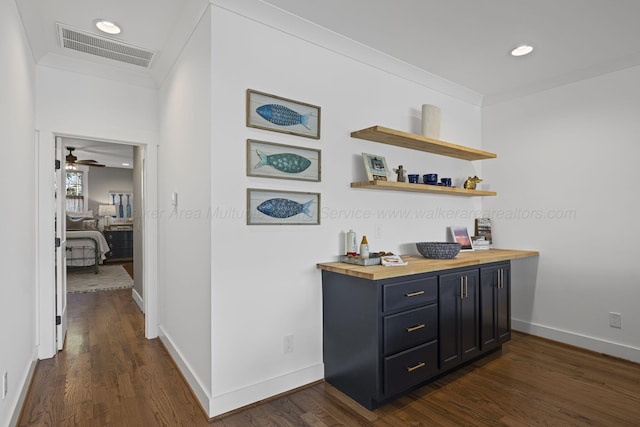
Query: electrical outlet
[615, 320]
[5, 385]
[288, 344]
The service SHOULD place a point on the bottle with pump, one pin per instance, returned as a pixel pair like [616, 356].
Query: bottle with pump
[351, 245]
[364, 248]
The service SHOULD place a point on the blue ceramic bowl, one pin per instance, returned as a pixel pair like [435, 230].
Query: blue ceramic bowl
[430, 178]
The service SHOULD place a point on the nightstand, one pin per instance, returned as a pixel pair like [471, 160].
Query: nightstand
[121, 244]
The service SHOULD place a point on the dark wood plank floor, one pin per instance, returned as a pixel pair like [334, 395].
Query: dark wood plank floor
[110, 375]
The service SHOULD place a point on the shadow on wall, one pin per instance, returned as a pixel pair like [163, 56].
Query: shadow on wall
[524, 276]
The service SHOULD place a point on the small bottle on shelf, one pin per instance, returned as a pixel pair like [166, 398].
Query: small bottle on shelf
[351, 246]
[364, 248]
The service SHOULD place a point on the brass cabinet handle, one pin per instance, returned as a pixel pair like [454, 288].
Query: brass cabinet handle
[464, 289]
[414, 294]
[415, 328]
[418, 366]
[466, 286]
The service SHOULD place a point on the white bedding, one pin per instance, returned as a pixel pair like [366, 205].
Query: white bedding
[80, 253]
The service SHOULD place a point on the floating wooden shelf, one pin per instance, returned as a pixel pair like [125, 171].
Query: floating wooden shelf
[420, 188]
[422, 143]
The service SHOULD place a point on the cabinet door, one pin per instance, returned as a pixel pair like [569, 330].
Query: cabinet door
[470, 312]
[495, 306]
[488, 308]
[450, 293]
[459, 317]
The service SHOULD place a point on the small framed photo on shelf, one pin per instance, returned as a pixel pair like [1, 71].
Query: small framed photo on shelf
[461, 235]
[271, 160]
[376, 167]
[483, 229]
[276, 207]
[270, 112]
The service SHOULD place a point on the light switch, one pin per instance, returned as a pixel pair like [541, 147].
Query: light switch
[174, 199]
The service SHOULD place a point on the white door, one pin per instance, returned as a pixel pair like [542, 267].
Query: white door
[61, 249]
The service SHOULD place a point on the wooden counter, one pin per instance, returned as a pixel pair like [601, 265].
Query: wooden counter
[418, 264]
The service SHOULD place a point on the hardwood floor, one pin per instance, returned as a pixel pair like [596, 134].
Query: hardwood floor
[110, 375]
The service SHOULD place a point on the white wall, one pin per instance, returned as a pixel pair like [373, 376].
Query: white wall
[71, 104]
[102, 181]
[565, 176]
[184, 238]
[264, 281]
[18, 252]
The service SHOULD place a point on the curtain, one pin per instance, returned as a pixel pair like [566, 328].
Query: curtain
[75, 204]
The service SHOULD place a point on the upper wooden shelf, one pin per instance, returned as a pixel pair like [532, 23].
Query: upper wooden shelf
[420, 188]
[422, 143]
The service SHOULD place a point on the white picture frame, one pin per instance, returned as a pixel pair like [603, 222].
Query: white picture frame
[460, 235]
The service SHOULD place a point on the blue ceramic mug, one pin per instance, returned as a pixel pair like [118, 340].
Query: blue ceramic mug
[446, 182]
[414, 178]
[430, 178]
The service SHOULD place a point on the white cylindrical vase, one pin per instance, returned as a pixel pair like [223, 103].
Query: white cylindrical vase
[431, 121]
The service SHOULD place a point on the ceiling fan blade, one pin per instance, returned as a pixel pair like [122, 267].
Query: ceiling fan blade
[89, 163]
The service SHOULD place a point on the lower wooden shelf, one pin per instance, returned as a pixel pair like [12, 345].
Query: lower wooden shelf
[420, 188]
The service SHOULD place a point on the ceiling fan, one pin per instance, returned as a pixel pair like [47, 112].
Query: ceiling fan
[71, 159]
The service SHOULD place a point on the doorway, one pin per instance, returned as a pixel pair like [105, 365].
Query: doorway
[103, 195]
[51, 298]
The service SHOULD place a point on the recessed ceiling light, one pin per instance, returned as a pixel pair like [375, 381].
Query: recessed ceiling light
[522, 50]
[126, 164]
[108, 27]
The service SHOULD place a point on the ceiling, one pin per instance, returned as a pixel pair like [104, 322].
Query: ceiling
[464, 41]
[109, 154]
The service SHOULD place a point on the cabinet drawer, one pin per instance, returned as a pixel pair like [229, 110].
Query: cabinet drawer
[120, 253]
[410, 328]
[118, 235]
[124, 244]
[409, 368]
[399, 296]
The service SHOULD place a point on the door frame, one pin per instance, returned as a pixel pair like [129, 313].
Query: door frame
[45, 235]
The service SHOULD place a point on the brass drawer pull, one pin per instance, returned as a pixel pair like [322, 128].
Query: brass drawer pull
[414, 294]
[418, 366]
[415, 328]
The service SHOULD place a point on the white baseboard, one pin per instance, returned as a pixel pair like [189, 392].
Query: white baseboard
[200, 391]
[244, 396]
[24, 389]
[590, 343]
[138, 299]
[229, 401]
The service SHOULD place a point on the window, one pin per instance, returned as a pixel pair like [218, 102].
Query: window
[74, 183]
[75, 190]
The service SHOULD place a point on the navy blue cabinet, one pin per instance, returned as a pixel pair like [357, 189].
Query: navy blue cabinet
[121, 244]
[384, 337]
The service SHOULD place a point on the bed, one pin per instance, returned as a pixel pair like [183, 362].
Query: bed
[86, 248]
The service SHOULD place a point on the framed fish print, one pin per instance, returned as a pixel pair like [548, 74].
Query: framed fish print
[284, 115]
[275, 207]
[271, 160]
[376, 167]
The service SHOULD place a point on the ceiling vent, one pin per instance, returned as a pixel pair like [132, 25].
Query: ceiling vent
[72, 38]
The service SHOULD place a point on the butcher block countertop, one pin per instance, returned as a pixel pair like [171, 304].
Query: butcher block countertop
[418, 264]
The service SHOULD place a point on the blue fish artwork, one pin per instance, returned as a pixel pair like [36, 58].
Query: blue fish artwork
[283, 116]
[284, 162]
[284, 208]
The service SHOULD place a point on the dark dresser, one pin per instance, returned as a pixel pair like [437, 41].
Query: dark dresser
[121, 244]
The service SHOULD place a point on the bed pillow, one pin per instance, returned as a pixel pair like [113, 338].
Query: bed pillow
[74, 224]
